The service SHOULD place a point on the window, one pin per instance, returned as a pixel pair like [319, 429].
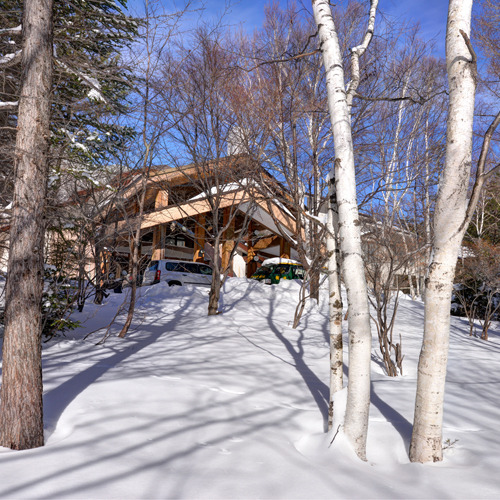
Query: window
[205, 270]
[179, 240]
[299, 272]
[176, 267]
[191, 268]
[153, 266]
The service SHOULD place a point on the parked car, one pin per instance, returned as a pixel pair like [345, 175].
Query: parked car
[272, 272]
[178, 272]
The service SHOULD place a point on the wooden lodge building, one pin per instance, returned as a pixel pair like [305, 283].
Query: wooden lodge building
[180, 206]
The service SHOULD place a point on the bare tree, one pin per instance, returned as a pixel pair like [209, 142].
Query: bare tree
[299, 147]
[387, 259]
[158, 34]
[340, 104]
[451, 219]
[205, 105]
[399, 157]
[478, 288]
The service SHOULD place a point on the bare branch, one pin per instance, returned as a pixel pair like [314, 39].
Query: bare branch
[472, 53]
[274, 61]
[420, 100]
[469, 46]
[481, 175]
[358, 51]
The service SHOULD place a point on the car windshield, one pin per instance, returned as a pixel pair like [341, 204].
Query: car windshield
[282, 269]
[262, 271]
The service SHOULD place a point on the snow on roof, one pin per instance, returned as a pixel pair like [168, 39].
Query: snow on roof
[279, 260]
[226, 188]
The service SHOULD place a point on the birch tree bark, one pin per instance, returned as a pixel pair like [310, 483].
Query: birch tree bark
[21, 410]
[339, 104]
[334, 303]
[449, 228]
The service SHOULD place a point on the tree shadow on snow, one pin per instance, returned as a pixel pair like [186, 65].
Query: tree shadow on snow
[58, 399]
[399, 422]
[318, 389]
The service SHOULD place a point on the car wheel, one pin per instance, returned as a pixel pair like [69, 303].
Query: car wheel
[174, 283]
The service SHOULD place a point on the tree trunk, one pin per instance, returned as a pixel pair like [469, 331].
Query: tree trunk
[98, 264]
[426, 442]
[358, 399]
[214, 294]
[133, 287]
[334, 305]
[21, 410]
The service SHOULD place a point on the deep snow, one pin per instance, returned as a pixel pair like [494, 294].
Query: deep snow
[233, 406]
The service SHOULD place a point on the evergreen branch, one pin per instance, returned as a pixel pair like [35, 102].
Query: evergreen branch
[11, 59]
[11, 31]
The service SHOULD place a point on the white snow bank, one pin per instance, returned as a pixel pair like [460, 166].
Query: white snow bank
[233, 406]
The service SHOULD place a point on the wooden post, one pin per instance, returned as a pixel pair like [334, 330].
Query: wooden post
[158, 251]
[161, 200]
[251, 264]
[284, 249]
[228, 240]
[199, 241]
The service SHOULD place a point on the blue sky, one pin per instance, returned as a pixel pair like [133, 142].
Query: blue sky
[431, 14]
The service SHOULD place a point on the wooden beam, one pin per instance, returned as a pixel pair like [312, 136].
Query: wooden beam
[284, 248]
[190, 209]
[228, 239]
[267, 242]
[161, 200]
[198, 207]
[199, 235]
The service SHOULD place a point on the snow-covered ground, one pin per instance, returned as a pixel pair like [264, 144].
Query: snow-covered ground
[233, 406]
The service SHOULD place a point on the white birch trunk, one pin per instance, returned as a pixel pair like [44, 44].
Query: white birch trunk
[334, 303]
[358, 399]
[393, 164]
[426, 443]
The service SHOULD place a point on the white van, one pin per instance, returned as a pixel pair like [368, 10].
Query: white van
[178, 272]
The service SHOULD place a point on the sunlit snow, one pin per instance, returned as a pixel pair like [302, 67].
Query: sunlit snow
[233, 406]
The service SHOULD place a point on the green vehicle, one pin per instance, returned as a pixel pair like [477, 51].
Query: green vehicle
[273, 273]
